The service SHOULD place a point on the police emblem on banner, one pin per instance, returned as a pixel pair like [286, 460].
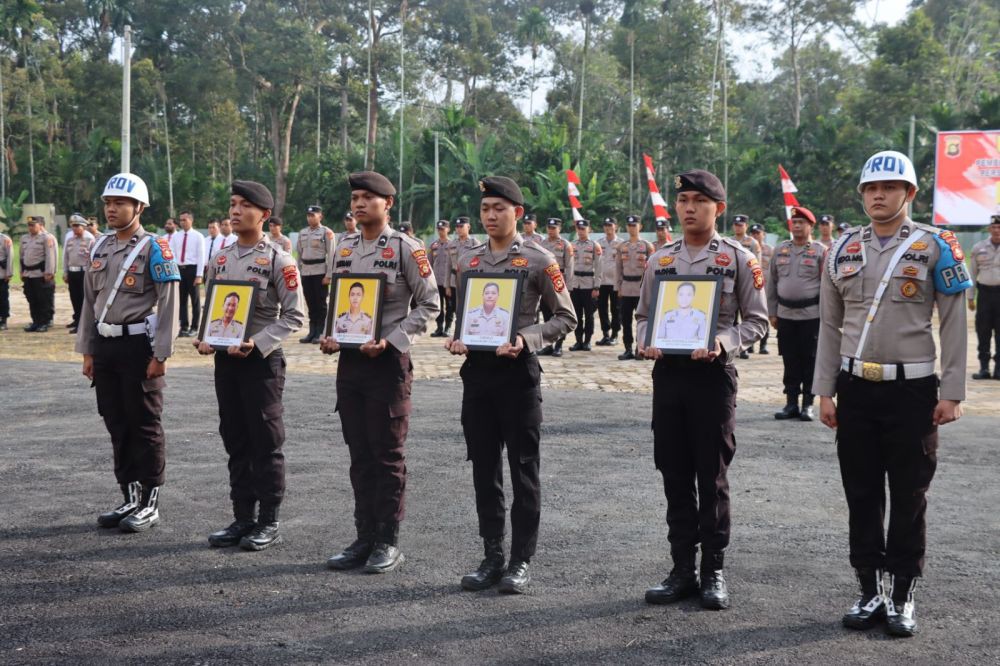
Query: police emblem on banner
[953, 146]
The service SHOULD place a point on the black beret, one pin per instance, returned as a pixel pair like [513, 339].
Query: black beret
[503, 187]
[530, 217]
[826, 219]
[633, 219]
[554, 222]
[661, 223]
[275, 220]
[608, 221]
[740, 219]
[583, 223]
[699, 180]
[461, 220]
[756, 227]
[442, 224]
[995, 219]
[254, 192]
[314, 209]
[374, 182]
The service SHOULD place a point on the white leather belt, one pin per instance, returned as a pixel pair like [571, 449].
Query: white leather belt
[74, 269]
[118, 330]
[885, 372]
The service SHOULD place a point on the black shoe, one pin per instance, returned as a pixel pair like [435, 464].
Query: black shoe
[789, 411]
[133, 495]
[311, 336]
[147, 515]
[515, 580]
[764, 350]
[185, 333]
[744, 354]
[242, 526]
[557, 351]
[265, 531]
[385, 555]
[3, 324]
[73, 330]
[900, 610]
[807, 414]
[613, 340]
[984, 373]
[358, 552]
[604, 342]
[714, 593]
[869, 609]
[31, 328]
[545, 351]
[577, 347]
[72, 324]
[749, 350]
[585, 347]
[627, 355]
[680, 584]
[490, 569]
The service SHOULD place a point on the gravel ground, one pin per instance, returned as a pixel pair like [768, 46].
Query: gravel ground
[73, 593]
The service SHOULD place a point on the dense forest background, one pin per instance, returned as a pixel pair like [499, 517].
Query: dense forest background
[297, 93]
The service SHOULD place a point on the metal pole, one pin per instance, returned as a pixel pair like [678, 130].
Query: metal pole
[126, 98]
[583, 76]
[631, 120]
[3, 140]
[913, 131]
[725, 114]
[368, 114]
[402, 100]
[319, 116]
[31, 138]
[170, 168]
[437, 184]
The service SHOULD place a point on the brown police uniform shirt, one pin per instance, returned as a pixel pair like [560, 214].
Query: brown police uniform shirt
[282, 241]
[901, 331]
[316, 249]
[984, 261]
[750, 244]
[439, 261]
[408, 275]
[138, 297]
[6, 256]
[278, 309]
[76, 256]
[630, 265]
[457, 247]
[38, 250]
[766, 253]
[827, 243]
[543, 281]
[742, 289]
[535, 236]
[588, 257]
[609, 260]
[562, 250]
[794, 275]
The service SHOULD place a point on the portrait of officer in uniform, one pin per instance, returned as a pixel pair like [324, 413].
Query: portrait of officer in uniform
[354, 324]
[684, 324]
[488, 323]
[227, 329]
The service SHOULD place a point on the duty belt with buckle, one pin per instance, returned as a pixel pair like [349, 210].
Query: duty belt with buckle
[886, 372]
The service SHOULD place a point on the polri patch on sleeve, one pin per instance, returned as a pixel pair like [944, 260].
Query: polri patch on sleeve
[758, 277]
[291, 277]
[424, 266]
[558, 282]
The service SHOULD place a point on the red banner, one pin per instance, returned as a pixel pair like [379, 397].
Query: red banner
[967, 177]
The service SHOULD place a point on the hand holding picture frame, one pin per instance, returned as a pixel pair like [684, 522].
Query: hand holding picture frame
[487, 310]
[684, 313]
[229, 307]
[354, 316]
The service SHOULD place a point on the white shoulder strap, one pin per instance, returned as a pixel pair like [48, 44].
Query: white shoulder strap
[883, 285]
[97, 245]
[122, 272]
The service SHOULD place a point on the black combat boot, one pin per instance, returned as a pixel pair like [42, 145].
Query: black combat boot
[357, 553]
[900, 611]
[557, 348]
[714, 593]
[242, 526]
[490, 569]
[763, 349]
[577, 346]
[807, 408]
[744, 354]
[516, 578]
[438, 332]
[984, 371]
[265, 531]
[3, 323]
[586, 345]
[385, 556]
[545, 351]
[133, 495]
[614, 338]
[790, 410]
[627, 355]
[147, 515]
[680, 584]
[605, 341]
[309, 336]
[869, 609]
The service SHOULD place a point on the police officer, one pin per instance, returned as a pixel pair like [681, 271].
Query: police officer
[350, 224]
[439, 262]
[502, 402]
[127, 328]
[374, 381]
[530, 224]
[841, 228]
[92, 227]
[188, 247]
[694, 397]
[630, 265]
[662, 233]
[586, 283]
[740, 235]
[38, 268]
[985, 262]
[792, 288]
[250, 377]
[766, 252]
[826, 231]
[76, 258]
[563, 252]
[876, 355]
[316, 249]
[6, 273]
[274, 226]
[215, 242]
[607, 299]
[458, 245]
[407, 228]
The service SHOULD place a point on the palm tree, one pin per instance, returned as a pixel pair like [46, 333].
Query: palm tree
[533, 30]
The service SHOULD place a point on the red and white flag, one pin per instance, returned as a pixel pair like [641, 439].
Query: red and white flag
[788, 190]
[573, 181]
[659, 205]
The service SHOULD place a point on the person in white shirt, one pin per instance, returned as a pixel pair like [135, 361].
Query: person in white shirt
[215, 241]
[188, 247]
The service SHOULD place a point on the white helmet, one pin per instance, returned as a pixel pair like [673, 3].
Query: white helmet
[888, 165]
[127, 185]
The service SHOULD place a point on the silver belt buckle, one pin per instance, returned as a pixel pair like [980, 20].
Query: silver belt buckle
[106, 330]
[873, 372]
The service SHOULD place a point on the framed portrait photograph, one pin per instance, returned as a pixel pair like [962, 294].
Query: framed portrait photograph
[684, 313]
[229, 305]
[487, 313]
[355, 313]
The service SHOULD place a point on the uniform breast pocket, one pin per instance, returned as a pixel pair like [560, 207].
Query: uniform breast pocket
[808, 268]
[909, 283]
[135, 280]
[783, 266]
[852, 288]
[99, 274]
